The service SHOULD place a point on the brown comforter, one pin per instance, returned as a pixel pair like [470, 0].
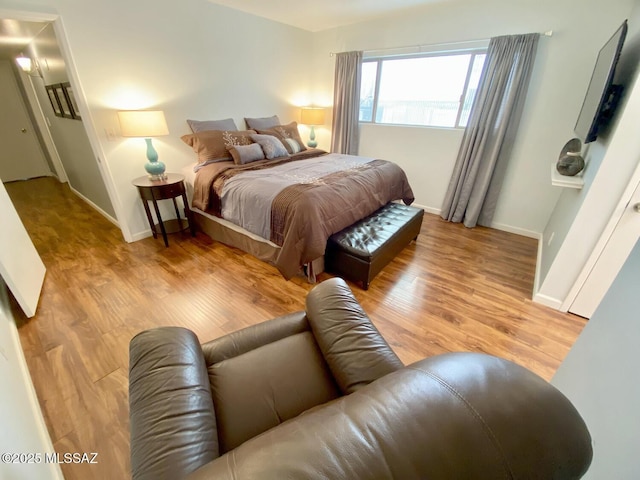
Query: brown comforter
[304, 216]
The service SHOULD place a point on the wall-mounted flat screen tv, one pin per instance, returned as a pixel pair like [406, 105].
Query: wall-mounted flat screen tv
[602, 95]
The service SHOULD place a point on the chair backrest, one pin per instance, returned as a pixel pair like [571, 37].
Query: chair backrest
[265, 375]
[269, 373]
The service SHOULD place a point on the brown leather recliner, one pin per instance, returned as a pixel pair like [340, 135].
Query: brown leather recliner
[321, 395]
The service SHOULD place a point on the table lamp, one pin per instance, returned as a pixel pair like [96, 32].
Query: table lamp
[146, 124]
[312, 116]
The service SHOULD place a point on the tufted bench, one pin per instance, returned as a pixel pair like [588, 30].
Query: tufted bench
[360, 251]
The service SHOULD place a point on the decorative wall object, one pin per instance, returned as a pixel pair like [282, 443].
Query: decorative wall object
[570, 162]
[53, 98]
[63, 101]
[71, 100]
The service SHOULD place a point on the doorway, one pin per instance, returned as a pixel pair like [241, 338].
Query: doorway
[64, 138]
[21, 156]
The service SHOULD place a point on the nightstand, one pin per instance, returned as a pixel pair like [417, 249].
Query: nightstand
[170, 188]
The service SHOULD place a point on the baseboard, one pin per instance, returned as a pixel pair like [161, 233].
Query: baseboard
[140, 235]
[547, 301]
[498, 226]
[96, 207]
[435, 211]
[517, 230]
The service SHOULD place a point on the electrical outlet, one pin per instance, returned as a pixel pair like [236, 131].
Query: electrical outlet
[553, 234]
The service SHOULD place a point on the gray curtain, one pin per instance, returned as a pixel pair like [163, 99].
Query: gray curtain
[491, 131]
[346, 103]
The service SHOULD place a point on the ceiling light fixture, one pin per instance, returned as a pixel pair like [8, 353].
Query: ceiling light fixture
[29, 66]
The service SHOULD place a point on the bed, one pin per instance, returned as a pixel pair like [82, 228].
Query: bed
[283, 209]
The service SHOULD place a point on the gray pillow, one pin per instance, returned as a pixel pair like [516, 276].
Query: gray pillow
[202, 125]
[271, 146]
[246, 153]
[264, 122]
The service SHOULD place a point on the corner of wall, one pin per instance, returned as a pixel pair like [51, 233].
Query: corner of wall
[538, 297]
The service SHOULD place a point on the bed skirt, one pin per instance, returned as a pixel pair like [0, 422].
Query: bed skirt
[225, 232]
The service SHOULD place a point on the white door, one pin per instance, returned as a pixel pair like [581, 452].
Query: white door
[20, 156]
[20, 265]
[618, 247]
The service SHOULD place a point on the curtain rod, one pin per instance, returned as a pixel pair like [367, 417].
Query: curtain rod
[548, 33]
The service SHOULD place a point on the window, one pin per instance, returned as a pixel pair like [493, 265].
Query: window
[435, 90]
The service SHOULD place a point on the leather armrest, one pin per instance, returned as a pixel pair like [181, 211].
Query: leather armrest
[173, 424]
[463, 415]
[352, 346]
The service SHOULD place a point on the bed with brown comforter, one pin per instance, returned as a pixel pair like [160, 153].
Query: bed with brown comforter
[298, 202]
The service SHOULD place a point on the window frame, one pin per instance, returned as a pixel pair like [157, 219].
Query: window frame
[443, 53]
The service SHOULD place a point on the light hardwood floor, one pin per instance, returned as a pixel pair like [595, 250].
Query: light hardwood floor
[456, 289]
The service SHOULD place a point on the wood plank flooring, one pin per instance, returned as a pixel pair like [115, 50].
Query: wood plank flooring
[456, 289]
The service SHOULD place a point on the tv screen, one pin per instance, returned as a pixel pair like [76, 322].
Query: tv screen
[602, 95]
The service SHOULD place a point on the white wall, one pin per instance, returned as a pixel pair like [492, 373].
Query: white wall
[192, 59]
[560, 77]
[580, 216]
[430, 171]
[599, 376]
[23, 428]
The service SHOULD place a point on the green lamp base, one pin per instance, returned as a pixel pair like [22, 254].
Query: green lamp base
[312, 138]
[154, 168]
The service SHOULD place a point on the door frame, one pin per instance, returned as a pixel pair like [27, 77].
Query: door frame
[601, 244]
[87, 118]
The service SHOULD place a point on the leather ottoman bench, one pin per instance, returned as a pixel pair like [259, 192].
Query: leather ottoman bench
[361, 251]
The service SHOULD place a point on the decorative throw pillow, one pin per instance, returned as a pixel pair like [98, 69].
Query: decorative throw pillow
[263, 122]
[287, 134]
[271, 146]
[243, 154]
[292, 145]
[201, 125]
[213, 145]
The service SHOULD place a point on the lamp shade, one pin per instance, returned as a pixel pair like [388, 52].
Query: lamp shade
[143, 123]
[312, 116]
